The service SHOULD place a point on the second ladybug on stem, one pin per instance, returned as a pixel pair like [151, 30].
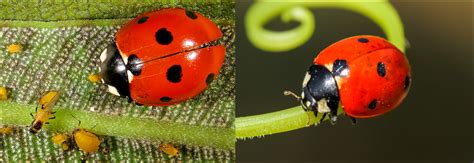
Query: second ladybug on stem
[163, 57]
[365, 75]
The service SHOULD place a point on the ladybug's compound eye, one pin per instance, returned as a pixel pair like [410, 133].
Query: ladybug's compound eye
[114, 72]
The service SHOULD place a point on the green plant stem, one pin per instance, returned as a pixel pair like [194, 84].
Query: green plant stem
[260, 13]
[276, 122]
[125, 127]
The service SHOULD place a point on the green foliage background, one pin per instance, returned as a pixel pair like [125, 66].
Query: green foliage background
[62, 42]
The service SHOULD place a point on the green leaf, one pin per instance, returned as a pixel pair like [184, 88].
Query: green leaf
[61, 43]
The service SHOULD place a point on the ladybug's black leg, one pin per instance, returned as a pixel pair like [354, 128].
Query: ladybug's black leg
[353, 120]
[32, 115]
[315, 115]
[332, 118]
[322, 118]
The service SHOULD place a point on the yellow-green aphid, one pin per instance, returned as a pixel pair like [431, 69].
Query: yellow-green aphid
[62, 140]
[87, 141]
[94, 78]
[169, 149]
[45, 112]
[14, 48]
[6, 130]
[3, 93]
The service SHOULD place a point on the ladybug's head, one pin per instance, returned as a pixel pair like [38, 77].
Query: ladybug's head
[320, 91]
[113, 71]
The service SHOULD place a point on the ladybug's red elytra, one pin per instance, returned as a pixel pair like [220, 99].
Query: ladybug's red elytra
[163, 57]
[365, 75]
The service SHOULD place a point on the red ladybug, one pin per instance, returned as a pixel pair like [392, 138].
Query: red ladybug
[366, 75]
[163, 57]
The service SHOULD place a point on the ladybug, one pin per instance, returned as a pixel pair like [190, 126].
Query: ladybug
[365, 75]
[163, 57]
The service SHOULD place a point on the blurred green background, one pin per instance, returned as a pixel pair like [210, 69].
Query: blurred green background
[433, 124]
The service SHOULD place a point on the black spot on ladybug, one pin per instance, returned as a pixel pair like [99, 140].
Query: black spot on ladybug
[134, 65]
[363, 40]
[165, 99]
[191, 14]
[407, 82]
[340, 68]
[174, 74]
[381, 69]
[163, 36]
[209, 78]
[142, 20]
[373, 104]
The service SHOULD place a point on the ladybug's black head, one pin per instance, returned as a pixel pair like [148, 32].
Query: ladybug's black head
[113, 71]
[320, 91]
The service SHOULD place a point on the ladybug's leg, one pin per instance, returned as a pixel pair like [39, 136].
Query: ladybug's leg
[129, 99]
[353, 120]
[332, 118]
[322, 118]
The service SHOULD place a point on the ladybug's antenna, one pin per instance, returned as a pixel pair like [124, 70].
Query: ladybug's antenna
[289, 93]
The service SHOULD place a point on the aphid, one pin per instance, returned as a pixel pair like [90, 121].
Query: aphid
[14, 48]
[6, 130]
[87, 141]
[62, 140]
[46, 102]
[94, 78]
[3, 93]
[169, 149]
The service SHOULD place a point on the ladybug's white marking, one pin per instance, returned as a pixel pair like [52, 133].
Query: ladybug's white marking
[302, 95]
[323, 106]
[102, 80]
[306, 79]
[329, 66]
[113, 90]
[124, 58]
[103, 55]
[129, 76]
[308, 104]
